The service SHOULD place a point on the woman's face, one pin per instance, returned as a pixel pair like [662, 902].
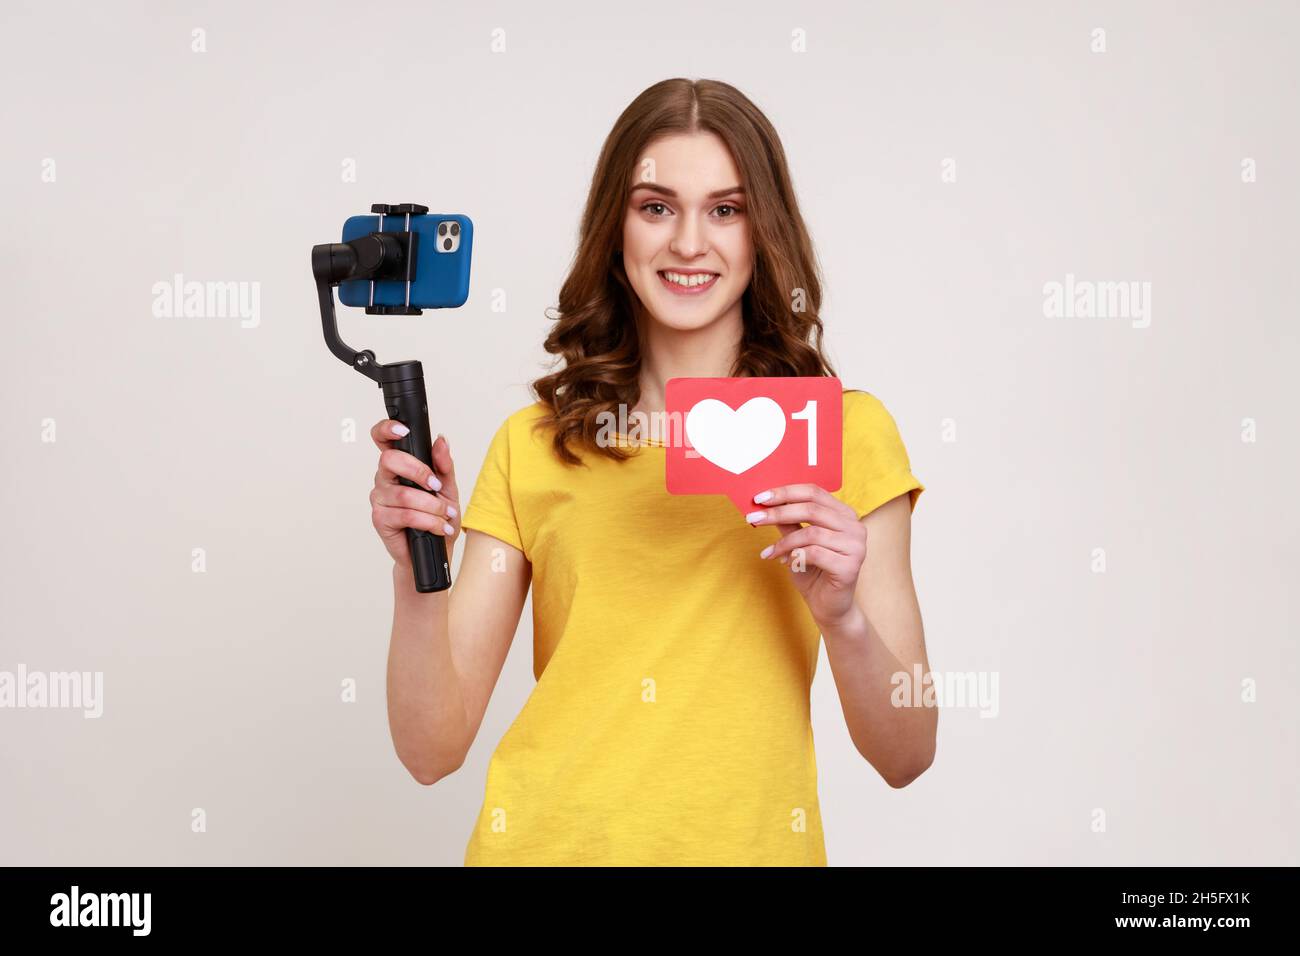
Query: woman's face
[686, 222]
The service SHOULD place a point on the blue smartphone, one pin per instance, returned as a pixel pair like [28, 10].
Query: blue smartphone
[442, 257]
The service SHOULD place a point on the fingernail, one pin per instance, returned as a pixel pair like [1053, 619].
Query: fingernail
[451, 511]
[448, 529]
[754, 516]
[434, 483]
[762, 496]
[767, 552]
[400, 430]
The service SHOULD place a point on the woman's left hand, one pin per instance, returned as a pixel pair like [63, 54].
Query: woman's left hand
[825, 557]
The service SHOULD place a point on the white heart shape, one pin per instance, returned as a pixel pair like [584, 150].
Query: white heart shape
[735, 439]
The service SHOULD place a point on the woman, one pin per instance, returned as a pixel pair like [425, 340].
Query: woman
[674, 641]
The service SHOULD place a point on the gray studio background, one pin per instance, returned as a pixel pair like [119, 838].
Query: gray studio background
[1147, 714]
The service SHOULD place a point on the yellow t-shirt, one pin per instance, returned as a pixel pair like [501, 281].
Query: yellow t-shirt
[669, 725]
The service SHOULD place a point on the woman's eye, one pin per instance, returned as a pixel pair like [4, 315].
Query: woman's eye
[653, 207]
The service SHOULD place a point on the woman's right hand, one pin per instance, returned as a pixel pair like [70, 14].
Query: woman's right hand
[394, 507]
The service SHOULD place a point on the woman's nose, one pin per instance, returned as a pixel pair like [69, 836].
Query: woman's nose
[689, 240]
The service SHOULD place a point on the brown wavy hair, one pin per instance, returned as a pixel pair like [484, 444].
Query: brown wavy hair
[595, 331]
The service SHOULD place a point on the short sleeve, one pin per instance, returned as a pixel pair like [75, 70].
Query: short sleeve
[876, 466]
[491, 507]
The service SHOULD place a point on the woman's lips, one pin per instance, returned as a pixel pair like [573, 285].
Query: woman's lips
[676, 289]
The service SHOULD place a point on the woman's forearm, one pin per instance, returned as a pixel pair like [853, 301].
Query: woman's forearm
[897, 741]
[426, 709]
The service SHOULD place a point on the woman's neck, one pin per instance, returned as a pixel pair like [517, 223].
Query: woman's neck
[707, 352]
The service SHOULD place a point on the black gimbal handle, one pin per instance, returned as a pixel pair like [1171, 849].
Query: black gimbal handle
[387, 255]
[406, 403]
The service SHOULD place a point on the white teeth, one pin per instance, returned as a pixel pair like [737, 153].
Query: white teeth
[699, 278]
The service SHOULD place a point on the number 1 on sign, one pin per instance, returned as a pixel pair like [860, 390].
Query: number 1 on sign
[809, 414]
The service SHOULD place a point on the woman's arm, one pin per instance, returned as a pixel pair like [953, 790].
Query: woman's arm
[881, 636]
[447, 651]
[856, 577]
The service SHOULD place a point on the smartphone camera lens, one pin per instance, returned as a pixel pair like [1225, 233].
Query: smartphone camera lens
[448, 236]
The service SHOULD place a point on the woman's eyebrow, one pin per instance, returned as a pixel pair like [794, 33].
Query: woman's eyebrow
[664, 190]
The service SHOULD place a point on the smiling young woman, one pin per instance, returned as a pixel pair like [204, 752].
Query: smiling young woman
[670, 721]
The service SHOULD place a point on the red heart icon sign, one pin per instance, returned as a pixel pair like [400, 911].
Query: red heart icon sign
[740, 436]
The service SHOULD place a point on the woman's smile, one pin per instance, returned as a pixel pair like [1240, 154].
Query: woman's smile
[687, 283]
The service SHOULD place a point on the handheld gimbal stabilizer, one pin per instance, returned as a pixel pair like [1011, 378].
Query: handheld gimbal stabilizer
[387, 256]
